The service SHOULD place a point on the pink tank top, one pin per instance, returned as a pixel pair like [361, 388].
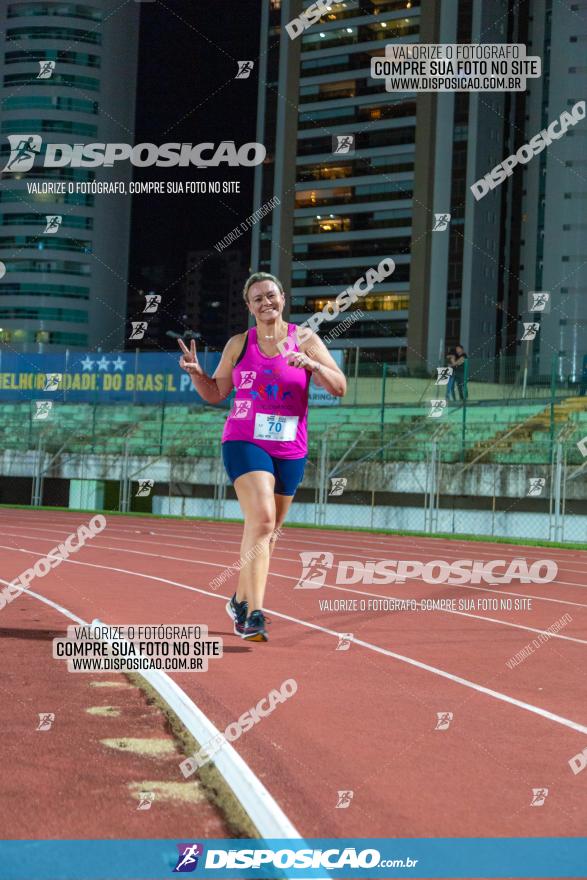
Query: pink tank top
[270, 407]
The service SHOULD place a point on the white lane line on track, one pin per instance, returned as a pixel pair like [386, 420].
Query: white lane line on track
[328, 586]
[413, 582]
[393, 542]
[266, 815]
[347, 547]
[397, 542]
[465, 614]
[505, 698]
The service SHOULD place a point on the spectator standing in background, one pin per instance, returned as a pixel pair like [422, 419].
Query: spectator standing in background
[459, 358]
[456, 359]
[450, 388]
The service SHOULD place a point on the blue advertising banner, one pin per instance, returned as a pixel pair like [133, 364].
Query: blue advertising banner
[109, 377]
[96, 377]
[308, 859]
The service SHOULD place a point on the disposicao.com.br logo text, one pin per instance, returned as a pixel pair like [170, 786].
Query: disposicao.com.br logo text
[24, 148]
[316, 565]
[328, 859]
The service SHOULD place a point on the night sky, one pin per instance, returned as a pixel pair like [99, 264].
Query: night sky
[186, 92]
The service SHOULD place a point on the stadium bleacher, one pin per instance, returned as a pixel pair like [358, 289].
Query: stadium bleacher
[517, 433]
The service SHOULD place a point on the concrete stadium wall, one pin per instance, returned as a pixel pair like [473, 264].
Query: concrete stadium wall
[505, 524]
[480, 480]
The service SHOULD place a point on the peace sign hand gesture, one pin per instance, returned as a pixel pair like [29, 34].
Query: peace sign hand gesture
[189, 359]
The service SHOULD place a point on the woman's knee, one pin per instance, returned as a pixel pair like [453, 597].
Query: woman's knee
[261, 523]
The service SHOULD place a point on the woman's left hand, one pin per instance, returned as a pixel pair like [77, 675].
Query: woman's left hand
[299, 359]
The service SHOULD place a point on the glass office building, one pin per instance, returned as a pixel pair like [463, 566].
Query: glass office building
[414, 156]
[345, 203]
[68, 75]
[554, 195]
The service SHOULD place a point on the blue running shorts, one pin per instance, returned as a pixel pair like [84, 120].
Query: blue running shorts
[241, 457]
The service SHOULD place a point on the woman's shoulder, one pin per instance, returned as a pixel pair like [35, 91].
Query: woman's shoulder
[235, 346]
[236, 342]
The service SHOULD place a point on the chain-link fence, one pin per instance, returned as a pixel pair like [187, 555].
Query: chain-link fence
[511, 467]
[503, 378]
[502, 480]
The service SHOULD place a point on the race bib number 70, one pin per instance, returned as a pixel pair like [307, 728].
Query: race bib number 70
[269, 427]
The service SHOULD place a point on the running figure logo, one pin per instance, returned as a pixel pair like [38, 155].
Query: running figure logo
[539, 795]
[146, 798]
[538, 301]
[344, 800]
[152, 301]
[441, 222]
[337, 485]
[443, 720]
[530, 331]
[245, 68]
[247, 378]
[23, 149]
[443, 375]
[578, 762]
[52, 381]
[535, 486]
[46, 719]
[189, 854]
[437, 408]
[138, 329]
[315, 565]
[42, 410]
[46, 71]
[343, 143]
[144, 489]
[344, 641]
[54, 221]
[241, 409]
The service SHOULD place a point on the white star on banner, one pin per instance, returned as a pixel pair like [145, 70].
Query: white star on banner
[119, 364]
[103, 364]
[88, 363]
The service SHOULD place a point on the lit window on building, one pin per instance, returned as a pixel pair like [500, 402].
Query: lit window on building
[386, 302]
[332, 223]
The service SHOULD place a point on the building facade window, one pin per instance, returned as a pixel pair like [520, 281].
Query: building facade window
[44, 243]
[30, 313]
[72, 35]
[26, 56]
[50, 102]
[67, 291]
[85, 83]
[22, 219]
[65, 10]
[58, 126]
[64, 267]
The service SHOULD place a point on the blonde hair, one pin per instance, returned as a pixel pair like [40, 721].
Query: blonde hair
[260, 276]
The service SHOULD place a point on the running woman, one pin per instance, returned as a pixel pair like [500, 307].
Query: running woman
[265, 439]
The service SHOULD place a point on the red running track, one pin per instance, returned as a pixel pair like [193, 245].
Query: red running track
[364, 719]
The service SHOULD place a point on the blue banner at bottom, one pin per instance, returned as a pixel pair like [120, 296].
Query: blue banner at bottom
[470, 858]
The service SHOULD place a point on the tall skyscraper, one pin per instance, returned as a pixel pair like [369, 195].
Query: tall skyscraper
[554, 198]
[343, 166]
[412, 157]
[68, 76]
[458, 275]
